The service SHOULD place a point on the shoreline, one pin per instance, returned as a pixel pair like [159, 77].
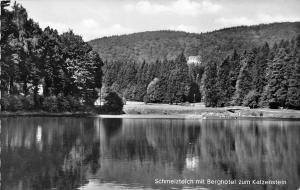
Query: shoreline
[198, 110]
[209, 116]
[45, 114]
[191, 117]
[137, 110]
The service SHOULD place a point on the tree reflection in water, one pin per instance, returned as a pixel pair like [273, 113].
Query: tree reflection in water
[72, 153]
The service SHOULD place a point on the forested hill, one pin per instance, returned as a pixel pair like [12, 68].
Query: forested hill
[150, 46]
[255, 66]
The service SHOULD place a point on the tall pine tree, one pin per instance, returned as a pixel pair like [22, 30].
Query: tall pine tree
[211, 87]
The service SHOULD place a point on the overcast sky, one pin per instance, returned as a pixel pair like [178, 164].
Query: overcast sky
[97, 18]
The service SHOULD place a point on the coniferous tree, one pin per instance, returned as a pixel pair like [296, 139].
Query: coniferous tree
[211, 91]
[140, 82]
[234, 72]
[161, 93]
[276, 89]
[244, 81]
[293, 93]
[260, 66]
[224, 84]
[178, 80]
[151, 90]
[194, 93]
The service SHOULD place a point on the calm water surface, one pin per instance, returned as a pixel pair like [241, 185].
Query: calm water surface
[93, 153]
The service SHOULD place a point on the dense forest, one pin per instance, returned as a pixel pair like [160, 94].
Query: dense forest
[44, 70]
[261, 77]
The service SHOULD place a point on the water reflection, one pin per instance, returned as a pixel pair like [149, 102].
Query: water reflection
[93, 153]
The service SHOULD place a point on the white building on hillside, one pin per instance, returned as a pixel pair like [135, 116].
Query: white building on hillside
[196, 60]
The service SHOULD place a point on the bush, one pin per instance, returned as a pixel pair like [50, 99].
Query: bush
[4, 102]
[113, 104]
[50, 104]
[273, 104]
[63, 104]
[261, 114]
[28, 102]
[145, 99]
[37, 101]
[11, 103]
[251, 99]
[74, 103]
[16, 103]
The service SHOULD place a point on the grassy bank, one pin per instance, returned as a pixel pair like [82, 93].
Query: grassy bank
[199, 110]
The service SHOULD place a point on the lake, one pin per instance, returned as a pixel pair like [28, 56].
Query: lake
[117, 153]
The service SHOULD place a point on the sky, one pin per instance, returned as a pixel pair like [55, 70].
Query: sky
[98, 18]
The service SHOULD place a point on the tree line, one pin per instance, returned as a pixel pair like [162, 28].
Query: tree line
[63, 66]
[167, 81]
[261, 77]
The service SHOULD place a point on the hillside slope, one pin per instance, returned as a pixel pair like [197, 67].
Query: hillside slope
[150, 46]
